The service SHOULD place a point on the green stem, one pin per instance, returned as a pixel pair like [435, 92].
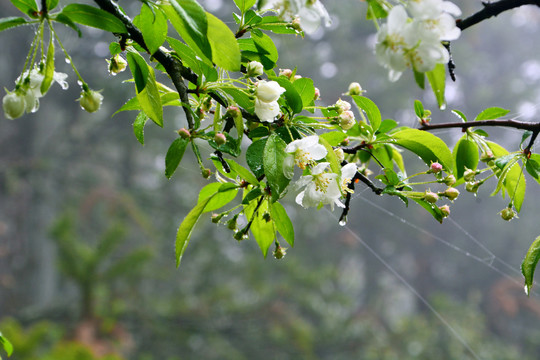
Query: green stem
[68, 57]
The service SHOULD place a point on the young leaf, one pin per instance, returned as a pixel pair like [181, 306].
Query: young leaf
[306, 90]
[244, 173]
[153, 25]
[183, 235]
[244, 5]
[533, 166]
[27, 7]
[224, 194]
[51, 4]
[426, 145]
[420, 79]
[529, 263]
[49, 68]
[174, 156]
[138, 126]
[6, 344]
[193, 25]
[437, 78]
[371, 110]
[334, 138]
[263, 231]
[419, 109]
[491, 113]
[254, 156]
[460, 115]
[273, 159]
[465, 156]
[11, 22]
[94, 17]
[225, 49]
[283, 223]
[331, 156]
[252, 195]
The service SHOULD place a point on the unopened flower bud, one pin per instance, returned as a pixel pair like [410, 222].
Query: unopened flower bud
[317, 95]
[206, 173]
[469, 175]
[234, 112]
[346, 120]
[431, 197]
[342, 106]
[445, 209]
[254, 69]
[345, 142]
[449, 180]
[220, 139]
[355, 89]
[285, 72]
[184, 133]
[451, 193]
[117, 64]
[296, 77]
[473, 186]
[14, 105]
[280, 252]
[436, 167]
[508, 213]
[295, 23]
[216, 218]
[90, 100]
[486, 156]
[339, 154]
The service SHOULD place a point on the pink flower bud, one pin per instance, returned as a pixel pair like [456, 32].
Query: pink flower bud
[449, 180]
[355, 89]
[451, 193]
[317, 95]
[206, 173]
[436, 167]
[220, 139]
[445, 209]
[184, 133]
[346, 120]
[431, 197]
[285, 72]
[469, 175]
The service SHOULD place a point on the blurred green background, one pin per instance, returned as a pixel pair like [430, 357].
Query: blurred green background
[88, 221]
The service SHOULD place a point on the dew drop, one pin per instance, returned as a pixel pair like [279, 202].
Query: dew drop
[443, 106]
[68, 61]
[342, 222]
[526, 288]
[79, 82]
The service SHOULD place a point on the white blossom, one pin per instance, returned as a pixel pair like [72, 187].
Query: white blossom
[311, 13]
[305, 152]
[347, 173]
[321, 188]
[266, 105]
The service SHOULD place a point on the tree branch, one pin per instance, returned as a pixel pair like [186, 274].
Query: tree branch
[531, 126]
[492, 9]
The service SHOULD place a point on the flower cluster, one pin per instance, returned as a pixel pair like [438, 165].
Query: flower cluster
[405, 42]
[320, 187]
[25, 97]
[307, 14]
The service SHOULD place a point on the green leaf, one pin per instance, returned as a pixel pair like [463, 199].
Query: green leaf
[386, 126]
[254, 156]
[371, 110]
[283, 223]
[183, 235]
[244, 5]
[529, 263]
[263, 231]
[138, 126]
[244, 173]
[224, 194]
[174, 156]
[306, 90]
[273, 159]
[460, 115]
[334, 138]
[6, 344]
[11, 22]
[533, 166]
[259, 47]
[190, 58]
[331, 156]
[49, 68]
[252, 195]
[61, 18]
[426, 145]
[430, 208]
[51, 4]
[419, 109]
[240, 97]
[146, 86]
[191, 23]
[437, 78]
[291, 95]
[375, 10]
[420, 79]
[276, 25]
[225, 49]
[491, 113]
[27, 7]
[512, 177]
[153, 25]
[94, 17]
[465, 156]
